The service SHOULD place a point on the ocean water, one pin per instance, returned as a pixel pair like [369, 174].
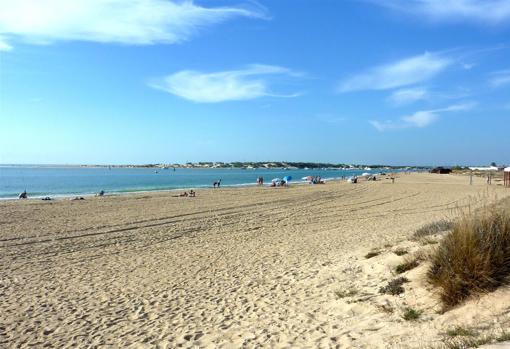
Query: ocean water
[40, 181]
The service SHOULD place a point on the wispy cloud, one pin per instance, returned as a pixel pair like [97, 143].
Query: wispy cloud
[500, 78]
[408, 95]
[401, 73]
[481, 11]
[132, 22]
[419, 119]
[232, 85]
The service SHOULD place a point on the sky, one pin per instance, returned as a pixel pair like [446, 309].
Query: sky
[400, 82]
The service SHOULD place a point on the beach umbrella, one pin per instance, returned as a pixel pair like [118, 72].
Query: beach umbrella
[287, 178]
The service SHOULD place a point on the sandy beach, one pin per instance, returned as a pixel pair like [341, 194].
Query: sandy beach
[233, 268]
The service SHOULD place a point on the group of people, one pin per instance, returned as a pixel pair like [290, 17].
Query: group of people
[260, 180]
[279, 183]
[24, 195]
[316, 180]
[217, 184]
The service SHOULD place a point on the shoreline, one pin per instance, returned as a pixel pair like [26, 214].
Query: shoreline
[65, 196]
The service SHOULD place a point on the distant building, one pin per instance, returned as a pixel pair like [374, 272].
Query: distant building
[487, 168]
[441, 170]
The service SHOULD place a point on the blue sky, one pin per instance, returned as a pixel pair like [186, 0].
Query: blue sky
[144, 81]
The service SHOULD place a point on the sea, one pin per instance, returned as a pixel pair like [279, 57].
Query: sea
[67, 181]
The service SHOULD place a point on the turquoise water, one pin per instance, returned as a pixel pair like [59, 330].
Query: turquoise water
[42, 181]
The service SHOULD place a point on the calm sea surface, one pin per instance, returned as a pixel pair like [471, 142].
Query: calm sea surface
[42, 181]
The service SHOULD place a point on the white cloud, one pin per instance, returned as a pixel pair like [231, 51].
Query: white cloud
[409, 95]
[500, 78]
[419, 119]
[480, 11]
[138, 22]
[404, 72]
[232, 85]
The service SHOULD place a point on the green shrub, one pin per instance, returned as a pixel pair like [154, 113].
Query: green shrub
[411, 314]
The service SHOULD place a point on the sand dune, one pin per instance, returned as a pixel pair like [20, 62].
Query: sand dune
[231, 268]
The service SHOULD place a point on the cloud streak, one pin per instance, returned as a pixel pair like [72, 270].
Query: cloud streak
[232, 85]
[480, 11]
[500, 78]
[131, 22]
[419, 119]
[401, 73]
[408, 95]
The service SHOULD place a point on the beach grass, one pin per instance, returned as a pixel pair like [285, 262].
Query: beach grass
[408, 264]
[433, 228]
[474, 257]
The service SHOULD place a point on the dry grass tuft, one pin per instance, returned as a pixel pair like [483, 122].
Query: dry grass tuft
[461, 331]
[407, 265]
[400, 252]
[474, 257]
[339, 294]
[433, 228]
[394, 287]
[372, 254]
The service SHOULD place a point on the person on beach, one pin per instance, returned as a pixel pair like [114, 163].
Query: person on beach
[191, 193]
[23, 195]
[219, 182]
[184, 194]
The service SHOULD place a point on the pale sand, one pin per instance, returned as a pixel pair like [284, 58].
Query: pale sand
[255, 267]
